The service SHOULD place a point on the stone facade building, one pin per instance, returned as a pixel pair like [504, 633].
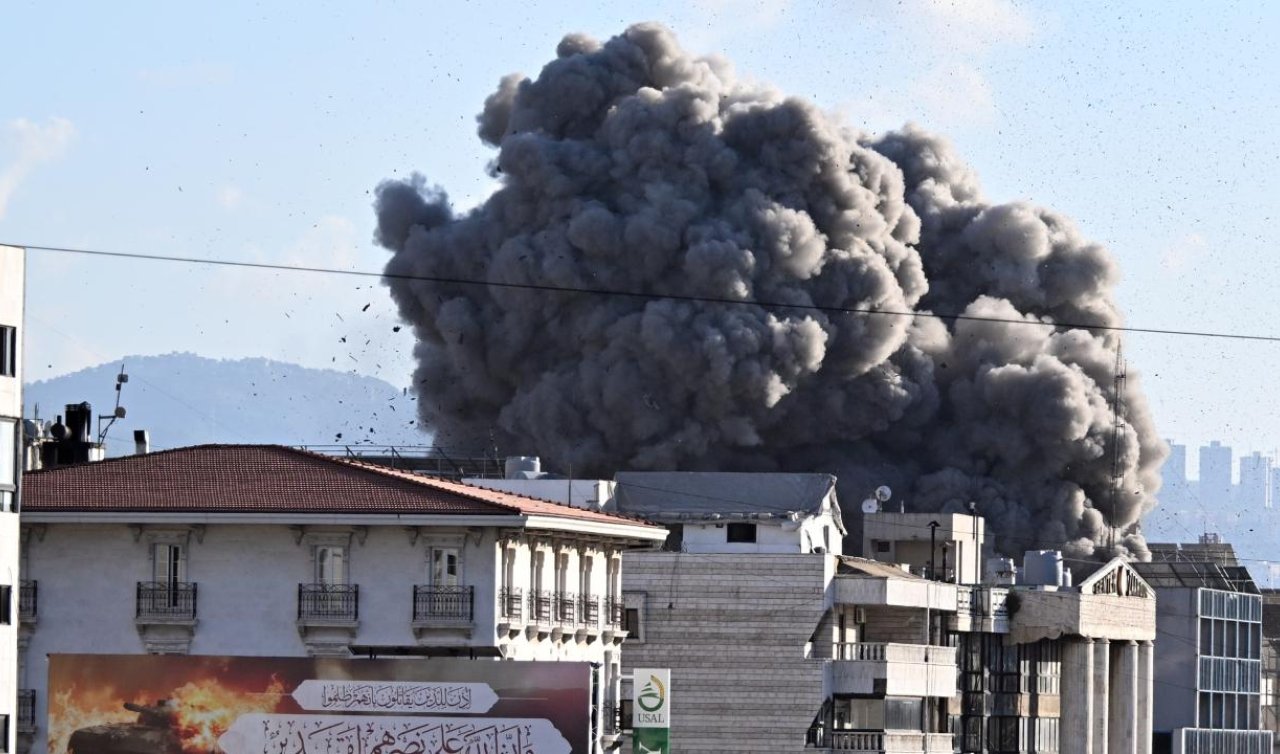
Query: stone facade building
[271, 551]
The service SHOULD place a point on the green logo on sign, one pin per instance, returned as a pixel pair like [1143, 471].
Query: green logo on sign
[652, 695]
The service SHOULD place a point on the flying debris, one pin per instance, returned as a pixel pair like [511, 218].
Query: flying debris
[631, 165]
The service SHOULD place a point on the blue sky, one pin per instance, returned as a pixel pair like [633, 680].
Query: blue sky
[257, 131]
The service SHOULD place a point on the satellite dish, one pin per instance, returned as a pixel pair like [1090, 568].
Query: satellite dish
[883, 493]
[870, 505]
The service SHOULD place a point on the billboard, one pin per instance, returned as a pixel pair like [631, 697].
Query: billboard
[651, 710]
[176, 704]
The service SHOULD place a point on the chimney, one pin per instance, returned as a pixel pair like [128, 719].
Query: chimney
[141, 442]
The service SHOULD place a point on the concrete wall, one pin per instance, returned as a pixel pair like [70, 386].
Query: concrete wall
[247, 579]
[1176, 661]
[733, 629]
[12, 302]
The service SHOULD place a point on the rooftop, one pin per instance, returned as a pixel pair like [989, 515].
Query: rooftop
[271, 479]
[683, 495]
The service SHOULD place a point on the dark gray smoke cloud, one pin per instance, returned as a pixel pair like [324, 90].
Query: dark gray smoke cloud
[632, 165]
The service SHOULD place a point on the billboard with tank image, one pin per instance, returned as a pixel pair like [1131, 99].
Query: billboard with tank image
[172, 704]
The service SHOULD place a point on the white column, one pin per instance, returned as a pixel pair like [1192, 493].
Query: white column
[1101, 682]
[1123, 725]
[1146, 698]
[1076, 730]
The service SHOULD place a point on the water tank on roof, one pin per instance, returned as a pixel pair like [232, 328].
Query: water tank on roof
[1042, 568]
[522, 467]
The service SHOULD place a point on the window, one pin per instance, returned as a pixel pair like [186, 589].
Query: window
[8, 351]
[675, 538]
[631, 622]
[538, 564]
[168, 563]
[4, 732]
[6, 605]
[740, 533]
[562, 573]
[508, 567]
[8, 453]
[331, 565]
[584, 575]
[444, 566]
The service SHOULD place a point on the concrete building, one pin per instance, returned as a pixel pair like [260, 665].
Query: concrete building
[271, 551]
[1271, 665]
[776, 643]
[950, 551]
[1209, 658]
[1255, 482]
[1044, 665]
[15, 714]
[1215, 475]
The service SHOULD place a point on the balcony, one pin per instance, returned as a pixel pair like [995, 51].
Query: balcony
[510, 611]
[336, 604]
[894, 669]
[447, 608]
[884, 742]
[615, 611]
[541, 613]
[443, 604]
[165, 602]
[566, 608]
[26, 711]
[589, 610]
[28, 602]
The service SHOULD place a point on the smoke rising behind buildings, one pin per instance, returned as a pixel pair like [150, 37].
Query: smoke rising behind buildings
[631, 165]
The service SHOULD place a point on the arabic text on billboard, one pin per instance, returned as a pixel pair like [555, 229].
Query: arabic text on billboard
[125, 704]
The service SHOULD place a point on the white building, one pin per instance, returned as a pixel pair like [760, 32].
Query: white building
[12, 284]
[271, 551]
[1209, 660]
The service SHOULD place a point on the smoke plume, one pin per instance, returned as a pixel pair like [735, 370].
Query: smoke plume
[634, 166]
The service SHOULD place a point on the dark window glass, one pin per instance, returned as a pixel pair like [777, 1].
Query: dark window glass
[6, 605]
[8, 351]
[741, 533]
[631, 622]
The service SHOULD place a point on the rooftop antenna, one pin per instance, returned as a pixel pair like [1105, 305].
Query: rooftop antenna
[1117, 411]
[118, 412]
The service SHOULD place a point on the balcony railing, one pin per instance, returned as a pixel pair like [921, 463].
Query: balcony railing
[28, 602]
[882, 742]
[26, 710]
[589, 609]
[884, 652]
[566, 607]
[617, 718]
[540, 607]
[328, 602]
[511, 604]
[448, 604]
[615, 611]
[166, 600]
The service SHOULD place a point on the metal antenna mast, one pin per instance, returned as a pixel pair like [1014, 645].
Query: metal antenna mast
[1117, 411]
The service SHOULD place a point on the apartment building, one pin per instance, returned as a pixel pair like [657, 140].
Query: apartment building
[269, 551]
[15, 713]
[1045, 665]
[1209, 660]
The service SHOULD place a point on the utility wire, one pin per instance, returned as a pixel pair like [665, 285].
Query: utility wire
[646, 295]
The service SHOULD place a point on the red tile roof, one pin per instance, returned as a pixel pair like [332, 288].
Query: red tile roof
[269, 479]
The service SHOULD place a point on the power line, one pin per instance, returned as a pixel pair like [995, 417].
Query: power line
[829, 309]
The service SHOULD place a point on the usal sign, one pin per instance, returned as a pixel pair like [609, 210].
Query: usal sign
[651, 710]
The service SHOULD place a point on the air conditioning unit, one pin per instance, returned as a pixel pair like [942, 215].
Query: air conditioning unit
[859, 615]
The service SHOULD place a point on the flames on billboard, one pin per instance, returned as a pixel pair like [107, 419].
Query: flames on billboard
[129, 704]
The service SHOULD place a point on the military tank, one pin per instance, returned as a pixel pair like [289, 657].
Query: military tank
[152, 733]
